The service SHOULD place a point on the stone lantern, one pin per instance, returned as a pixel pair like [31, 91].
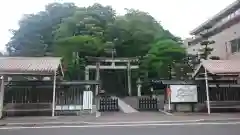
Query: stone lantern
[139, 86]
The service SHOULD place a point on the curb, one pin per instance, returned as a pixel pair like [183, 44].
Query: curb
[109, 122]
[98, 121]
[165, 112]
[217, 120]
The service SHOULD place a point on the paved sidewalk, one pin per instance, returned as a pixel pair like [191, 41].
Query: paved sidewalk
[158, 116]
[221, 115]
[114, 118]
[12, 121]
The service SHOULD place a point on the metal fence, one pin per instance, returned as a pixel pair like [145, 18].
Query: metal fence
[108, 104]
[68, 96]
[69, 100]
[148, 104]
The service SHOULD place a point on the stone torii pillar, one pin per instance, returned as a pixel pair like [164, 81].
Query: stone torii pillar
[97, 77]
[129, 79]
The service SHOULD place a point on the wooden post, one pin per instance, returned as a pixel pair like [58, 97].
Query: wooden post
[129, 79]
[54, 94]
[207, 91]
[1, 96]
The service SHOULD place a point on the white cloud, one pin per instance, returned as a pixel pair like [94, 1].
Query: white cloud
[179, 16]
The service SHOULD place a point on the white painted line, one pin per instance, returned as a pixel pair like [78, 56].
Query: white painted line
[228, 119]
[42, 123]
[139, 122]
[100, 123]
[167, 113]
[121, 125]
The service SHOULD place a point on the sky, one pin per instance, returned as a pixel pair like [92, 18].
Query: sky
[178, 16]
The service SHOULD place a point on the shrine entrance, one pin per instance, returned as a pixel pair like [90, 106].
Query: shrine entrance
[107, 67]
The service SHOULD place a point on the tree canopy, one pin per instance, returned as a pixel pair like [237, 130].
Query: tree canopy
[65, 29]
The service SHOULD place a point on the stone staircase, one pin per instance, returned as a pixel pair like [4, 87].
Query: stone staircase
[133, 101]
[125, 107]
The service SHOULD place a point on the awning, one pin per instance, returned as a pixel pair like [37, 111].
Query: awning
[30, 65]
[220, 67]
[43, 83]
[84, 82]
[173, 82]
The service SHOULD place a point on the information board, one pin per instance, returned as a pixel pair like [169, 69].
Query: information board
[183, 93]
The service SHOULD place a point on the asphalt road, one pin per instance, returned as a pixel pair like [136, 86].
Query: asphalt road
[209, 129]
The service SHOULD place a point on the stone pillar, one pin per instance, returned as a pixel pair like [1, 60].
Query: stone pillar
[129, 79]
[97, 77]
[139, 86]
[139, 90]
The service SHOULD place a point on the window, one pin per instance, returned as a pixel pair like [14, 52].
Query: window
[235, 45]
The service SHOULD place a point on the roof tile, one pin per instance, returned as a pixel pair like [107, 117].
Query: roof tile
[29, 64]
[222, 66]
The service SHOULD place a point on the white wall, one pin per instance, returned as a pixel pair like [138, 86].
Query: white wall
[222, 47]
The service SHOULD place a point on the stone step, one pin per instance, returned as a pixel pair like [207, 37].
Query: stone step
[126, 108]
[132, 101]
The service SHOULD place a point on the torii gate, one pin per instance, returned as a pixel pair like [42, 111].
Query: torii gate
[127, 65]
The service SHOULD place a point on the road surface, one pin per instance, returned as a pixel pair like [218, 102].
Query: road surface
[231, 128]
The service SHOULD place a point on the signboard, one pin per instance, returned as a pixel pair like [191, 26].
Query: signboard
[183, 93]
[87, 100]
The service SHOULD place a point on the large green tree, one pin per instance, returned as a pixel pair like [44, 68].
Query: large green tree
[162, 55]
[35, 34]
[137, 30]
[75, 32]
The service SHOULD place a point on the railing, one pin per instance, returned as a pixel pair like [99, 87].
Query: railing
[108, 104]
[148, 104]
